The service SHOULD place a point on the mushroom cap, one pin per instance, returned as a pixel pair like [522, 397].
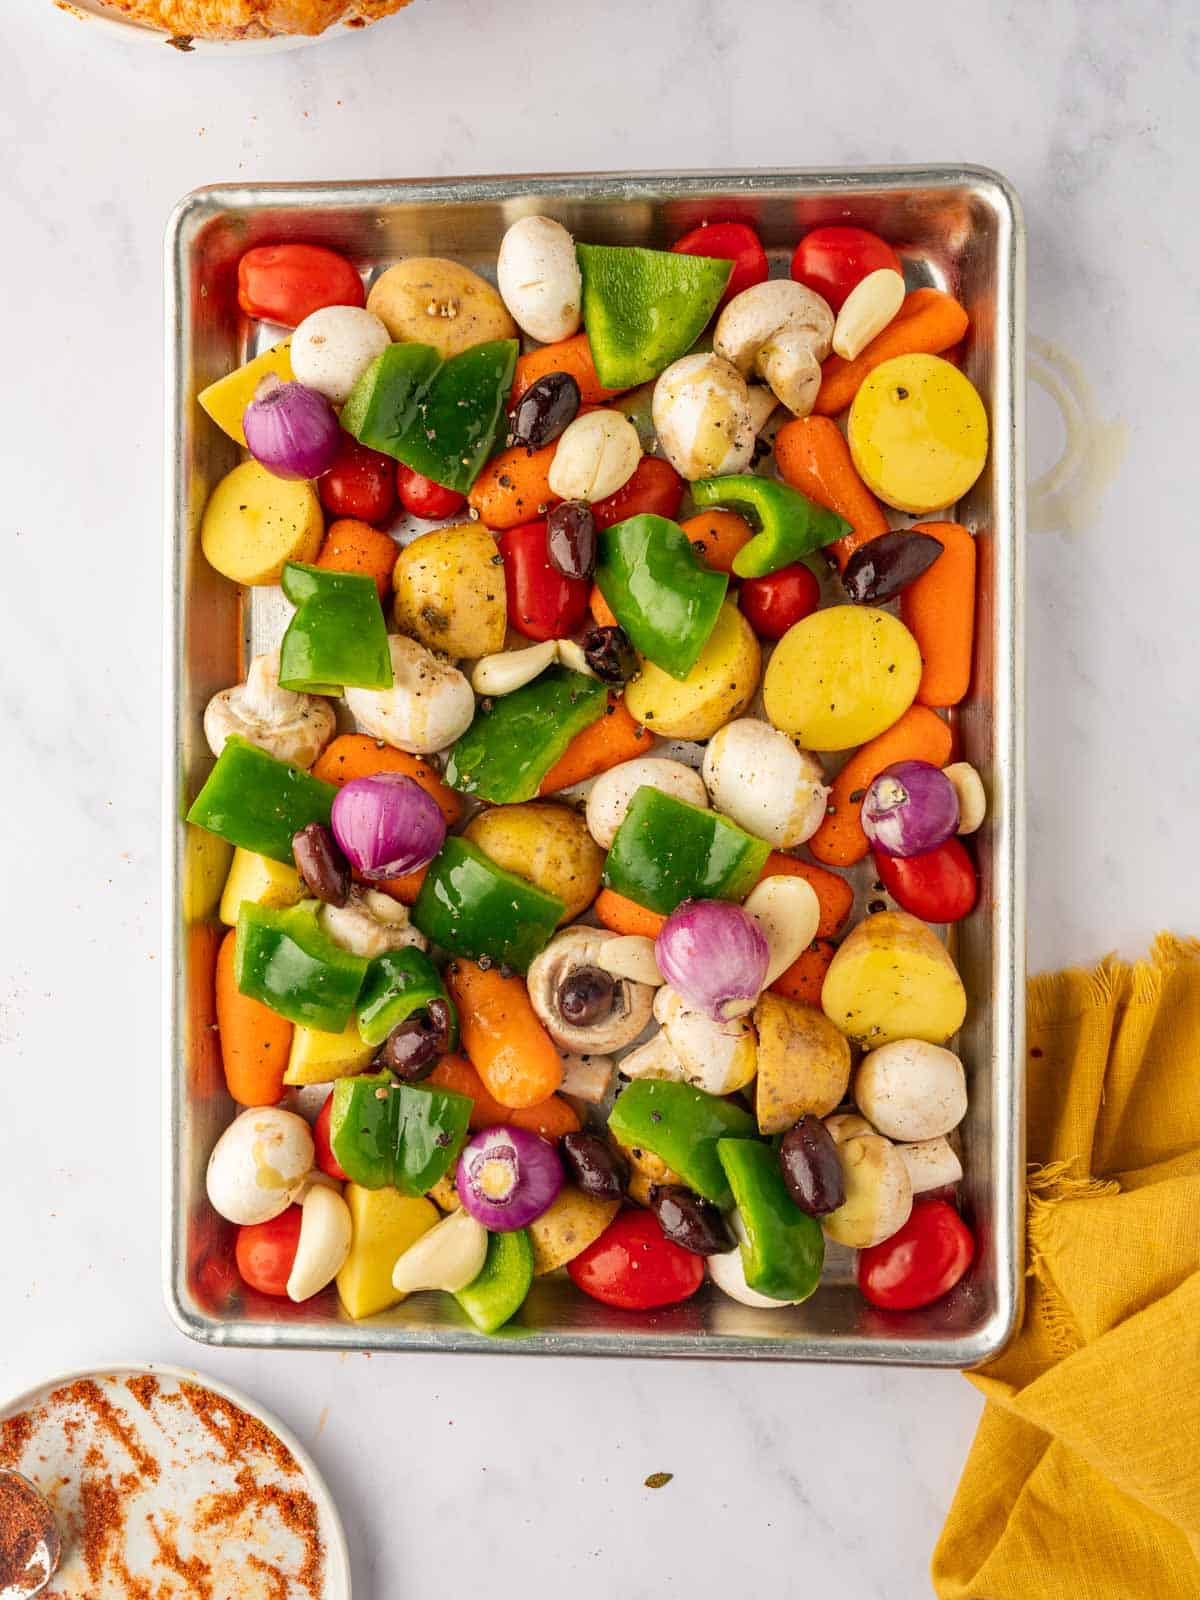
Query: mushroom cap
[428, 706]
[370, 923]
[702, 417]
[911, 1090]
[567, 952]
[289, 726]
[878, 1193]
[257, 1163]
[752, 317]
[718, 1057]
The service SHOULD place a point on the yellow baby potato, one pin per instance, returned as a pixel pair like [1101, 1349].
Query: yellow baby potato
[718, 688]
[318, 1057]
[428, 300]
[255, 523]
[227, 399]
[385, 1223]
[449, 590]
[892, 978]
[918, 433]
[840, 676]
[547, 843]
[264, 882]
[574, 1221]
[803, 1063]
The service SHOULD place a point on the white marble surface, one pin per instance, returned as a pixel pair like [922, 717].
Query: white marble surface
[787, 1480]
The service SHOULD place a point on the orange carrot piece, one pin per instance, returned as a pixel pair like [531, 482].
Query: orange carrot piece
[357, 755]
[927, 323]
[354, 546]
[602, 613]
[804, 978]
[255, 1041]
[573, 355]
[620, 915]
[919, 735]
[834, 895]
[514, 487]
[605, 743]
[551, 1117]
[717, 536]
[502, 1036]
[813, 457]
[939, 611]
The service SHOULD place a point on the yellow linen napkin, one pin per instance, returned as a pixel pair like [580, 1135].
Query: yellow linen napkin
[1083, 1482]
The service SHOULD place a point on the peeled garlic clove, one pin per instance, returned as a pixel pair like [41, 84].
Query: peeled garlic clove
[449, 1256]
[324, 1243]
[789, 913]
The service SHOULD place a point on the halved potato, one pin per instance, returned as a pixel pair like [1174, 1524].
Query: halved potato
[719, 687]
[255, 523]
[803, 1063]
[547, 843]
[429, 300]
[892, 978]
[840, 676]
[573, 1222]
[385, 1223]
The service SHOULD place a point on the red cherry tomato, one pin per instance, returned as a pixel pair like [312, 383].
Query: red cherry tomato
[542, 604]
[634, 1265]
[421, 497]
[361, 483]
[921, 1262]
[288, 282]
[326, 1159]
[772, 604]
[655, 489]
[729, 241]
[266, 1250]
[938, 886]
[832, 260]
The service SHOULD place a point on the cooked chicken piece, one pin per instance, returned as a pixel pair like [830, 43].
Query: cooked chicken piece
[252, 19]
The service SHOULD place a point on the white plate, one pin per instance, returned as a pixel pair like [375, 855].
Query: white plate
[119, 27]
[174, 1475]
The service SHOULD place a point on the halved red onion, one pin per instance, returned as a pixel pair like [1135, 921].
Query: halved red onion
[387, 825]
[910, 808]
[290, 429]
[715, 955]
[507, 1177]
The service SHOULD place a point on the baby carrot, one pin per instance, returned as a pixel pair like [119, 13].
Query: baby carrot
[834, 894]
[551, 1117]
[602, 613]
[514, 487]
[717, 536]
[255, 1040]
[927, 323]
[354, 546]
[919, 735]
[605, 743]
[573, 355]
[620, 915]
[813, 457]
[939, 611]
[803, 979]
[501, 1034]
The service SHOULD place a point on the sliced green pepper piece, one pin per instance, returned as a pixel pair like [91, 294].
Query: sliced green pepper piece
[667, 851]
[644, 308]
[285, 959]
[791, 526]
[338, 636]
[659, 590]
[785, 1248]
[383, 1132]
[500, 1289]
[398, 983]
[681, 1126]
[441, 418]
[257, 802]
[474, 908]
[513, 743]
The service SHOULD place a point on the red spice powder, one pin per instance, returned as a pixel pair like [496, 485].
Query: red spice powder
[295, 1509]
[21, 1531]
[85, 1392]
[15, 1433]
[143, 1388]
[238, 1433]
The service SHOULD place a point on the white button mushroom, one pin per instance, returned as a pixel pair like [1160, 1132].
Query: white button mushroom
[569, 953]
[333, 347]
[324, 1243]
[291, 727]
[911, 1089]
[257, 1163]
[587, 1078]
[728, 1272]
[369, 923]
[449, 1256]
[878, 1193]
[789, 913]
[931, 1163]
[428, 706]
[596, 455]
[539, 279]
[718, 1057]
[781, 332]
[702, 417]
[765, 782]
[613, 790]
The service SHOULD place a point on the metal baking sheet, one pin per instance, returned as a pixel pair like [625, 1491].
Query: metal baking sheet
[959, 228]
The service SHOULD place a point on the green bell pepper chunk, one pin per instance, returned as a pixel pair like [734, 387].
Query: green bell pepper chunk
[644, 308]
[383, 1132]
[667, 851]
[471, 907]
[514, 741]
[338, 636]
[659, 590]
[257, 802]
[285, 959]
[790, 525]
[398, 983]
[500, 1289]
[441, 418]
[785, 1248]
[682, 1126]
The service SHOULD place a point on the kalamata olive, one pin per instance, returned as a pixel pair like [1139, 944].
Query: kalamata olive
[809, 1162]
[414, 1046]
[690, 1222]
[544, 410]
[610, 655]
[321, 864]
[571, 539]
[585, 996]
[882, 567]
[593, 1165]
